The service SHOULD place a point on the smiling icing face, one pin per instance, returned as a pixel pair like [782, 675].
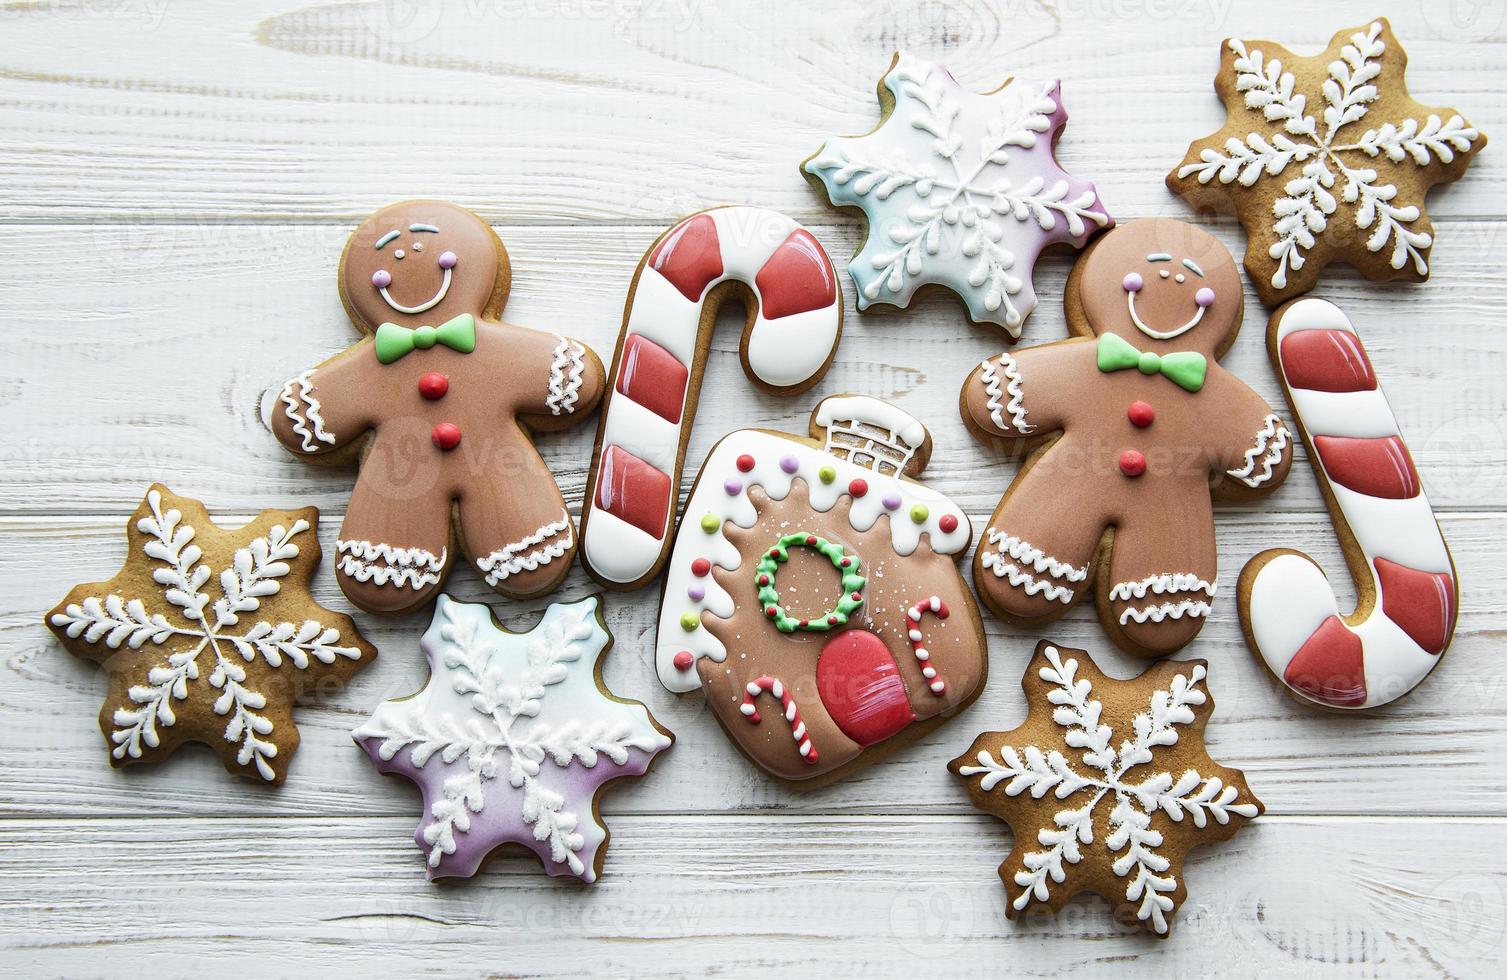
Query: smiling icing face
[422, 262]
[1154, 281]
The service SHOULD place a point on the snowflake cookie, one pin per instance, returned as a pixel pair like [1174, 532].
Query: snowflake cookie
[961, 190]
[202, 641]
[513, 739]
[1326, 158]
[1107, 786]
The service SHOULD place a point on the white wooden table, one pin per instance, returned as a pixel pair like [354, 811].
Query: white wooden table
[176, 180]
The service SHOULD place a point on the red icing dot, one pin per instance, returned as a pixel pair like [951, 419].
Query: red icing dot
[771, 611]
[684, 660]
[948, 523]
[433, 385]
[858, 487]
[446, 435]
[763, 580]
[700, 567]
[846, 562]
[811, 540]
[1132, 463]
[1140, 414]
[745, 462]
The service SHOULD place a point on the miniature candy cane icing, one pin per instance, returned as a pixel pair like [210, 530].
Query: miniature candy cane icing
[960, 189]
[1401, 565]
[793, 327]
[937, 608]
[791, 711]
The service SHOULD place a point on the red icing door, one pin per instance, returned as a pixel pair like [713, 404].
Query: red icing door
[860, 687]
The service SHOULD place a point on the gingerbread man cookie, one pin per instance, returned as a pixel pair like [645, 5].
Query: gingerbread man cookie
[209, 635]
[1143, 417]
[1107, 786]
[813, 593]
[1326, 159]
[439, 401]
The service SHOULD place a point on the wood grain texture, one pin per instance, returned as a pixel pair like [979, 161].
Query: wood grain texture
[176, 180]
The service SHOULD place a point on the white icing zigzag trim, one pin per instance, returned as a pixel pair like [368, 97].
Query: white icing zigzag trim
[1025, 580]
[412, 568]
[1271, 440]
[992, 387]
[1167, 610]
[1163, 584]
[509, 560]
[1024, 551]
[304, 398]
[565, 377]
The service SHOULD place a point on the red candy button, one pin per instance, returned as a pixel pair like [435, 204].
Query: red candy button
[1140, 414]
[446, 435]
[858, 487]
[684, 660]
[1132, 463]
[745, 462]
[700, 567]
[948, 523]
[433, 385]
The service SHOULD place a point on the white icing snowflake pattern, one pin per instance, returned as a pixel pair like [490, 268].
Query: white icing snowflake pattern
[217, 627]
[497, 708]
[1325, 161]
[1112, 776]
[959, 189]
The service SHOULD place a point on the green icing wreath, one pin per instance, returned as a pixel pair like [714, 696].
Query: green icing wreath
[769, 596]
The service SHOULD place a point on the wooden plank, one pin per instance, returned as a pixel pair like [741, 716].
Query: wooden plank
[1287, 897]
[1434, 752]
[609, 111]
[144, 353]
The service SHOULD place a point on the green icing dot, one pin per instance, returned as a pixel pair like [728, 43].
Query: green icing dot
[710, 523]
[689, 621]
[919, 513]
[826, 474]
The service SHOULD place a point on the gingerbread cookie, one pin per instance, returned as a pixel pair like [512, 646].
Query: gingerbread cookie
[513, 739]
[1405, 580]
[1326, 159]
[209, 635]
[1106, 785]
[439, 402]
[831, 576]
[959, 190]
[794, 321]
[1146, 416]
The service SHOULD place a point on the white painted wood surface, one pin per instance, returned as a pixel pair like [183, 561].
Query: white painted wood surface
[175, 183]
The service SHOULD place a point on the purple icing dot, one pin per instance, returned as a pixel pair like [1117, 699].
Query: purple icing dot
[381, 279]
[789, 464]
[696, 592]
[447, 260]
[1132, 282]
[1204, 297]
[892, 501]
[733, 486]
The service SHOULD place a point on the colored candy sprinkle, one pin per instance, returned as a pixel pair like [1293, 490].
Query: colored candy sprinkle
[745, 462]
[826, 474]
[948, 523]
[919, 513]
[696, 592]
[733, 486]
[858, 487]
[684, 660]
[689, 621]
[710, 523]
[789, 464]
[700, 567]
[891, 501]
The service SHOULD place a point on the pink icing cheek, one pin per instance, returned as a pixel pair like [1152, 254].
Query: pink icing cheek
[381, 279]
[1132, 282]
[1204, 297]
[447, 260]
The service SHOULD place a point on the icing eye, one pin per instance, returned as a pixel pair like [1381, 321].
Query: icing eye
[1181, 277]
[1133, 282]
[1204, 297]
[381, 279]
[400, 253]
[447, 260]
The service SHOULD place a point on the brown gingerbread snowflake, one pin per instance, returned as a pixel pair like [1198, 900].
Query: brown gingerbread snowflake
[1326, 158]
[210, 635]
[1091, 813]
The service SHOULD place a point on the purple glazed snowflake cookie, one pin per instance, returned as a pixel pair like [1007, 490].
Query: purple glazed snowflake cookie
[960, 189]
[513, 739]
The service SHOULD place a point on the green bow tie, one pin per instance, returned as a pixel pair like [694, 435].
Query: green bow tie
[1185, 368]
[393, 341]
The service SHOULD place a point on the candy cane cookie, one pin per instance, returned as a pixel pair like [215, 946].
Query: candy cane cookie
[793, 324]
[1404, 576]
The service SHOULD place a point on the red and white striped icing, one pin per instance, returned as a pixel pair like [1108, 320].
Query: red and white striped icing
[645, 419]
[1357, 450]
[937, 608]
[791, 712]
